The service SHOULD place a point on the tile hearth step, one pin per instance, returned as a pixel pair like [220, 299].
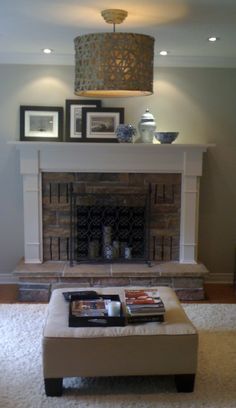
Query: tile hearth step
[186, 279]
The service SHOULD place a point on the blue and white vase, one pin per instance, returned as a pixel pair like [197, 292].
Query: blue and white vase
[125, 133]
[108, 251]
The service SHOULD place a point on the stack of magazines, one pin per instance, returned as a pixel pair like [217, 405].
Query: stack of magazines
[144, 305]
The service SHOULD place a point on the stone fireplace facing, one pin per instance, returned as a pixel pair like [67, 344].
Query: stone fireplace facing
[168, 174]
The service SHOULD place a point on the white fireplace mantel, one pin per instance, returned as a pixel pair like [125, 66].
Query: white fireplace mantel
[38, 157]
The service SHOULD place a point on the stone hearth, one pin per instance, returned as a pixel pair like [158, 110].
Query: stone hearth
[187, 280]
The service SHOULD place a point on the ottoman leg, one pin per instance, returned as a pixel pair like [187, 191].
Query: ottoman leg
[53, 387]
[185, 382]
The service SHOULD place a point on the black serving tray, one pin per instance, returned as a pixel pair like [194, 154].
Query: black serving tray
[97, 321]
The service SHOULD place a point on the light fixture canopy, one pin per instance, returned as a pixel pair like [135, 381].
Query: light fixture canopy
[114, 64]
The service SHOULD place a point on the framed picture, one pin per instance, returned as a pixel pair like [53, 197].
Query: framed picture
[41, 123]
[99, 125]
[74, 117]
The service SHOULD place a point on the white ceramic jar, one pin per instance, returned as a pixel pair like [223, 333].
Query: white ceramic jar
[147, 127]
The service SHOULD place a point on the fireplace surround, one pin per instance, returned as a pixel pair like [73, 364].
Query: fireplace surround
[177, 160]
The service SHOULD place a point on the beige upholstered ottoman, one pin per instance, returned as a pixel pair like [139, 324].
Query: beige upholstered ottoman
[168, 348]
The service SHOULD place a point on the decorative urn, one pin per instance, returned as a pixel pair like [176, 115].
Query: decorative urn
[147, 127]
[125, 133]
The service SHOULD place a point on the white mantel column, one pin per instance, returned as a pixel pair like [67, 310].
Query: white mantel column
[192, 169]
[32, 205]
[189, 219]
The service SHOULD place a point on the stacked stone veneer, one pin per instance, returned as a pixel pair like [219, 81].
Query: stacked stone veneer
[165, 204]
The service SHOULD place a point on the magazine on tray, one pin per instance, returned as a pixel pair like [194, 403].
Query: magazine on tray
[89, 307]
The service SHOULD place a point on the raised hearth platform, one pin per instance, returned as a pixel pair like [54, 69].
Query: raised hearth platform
[36, 281]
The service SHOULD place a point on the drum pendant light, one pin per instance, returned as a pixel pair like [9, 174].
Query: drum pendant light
[113, 64]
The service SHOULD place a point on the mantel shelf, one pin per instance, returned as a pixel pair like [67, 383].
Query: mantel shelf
[111, 157]
[56, 145]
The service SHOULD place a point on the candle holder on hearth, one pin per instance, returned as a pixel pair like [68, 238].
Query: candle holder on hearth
[106, 235]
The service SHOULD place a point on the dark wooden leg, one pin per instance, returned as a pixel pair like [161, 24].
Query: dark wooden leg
[185, 382]
[53, 387]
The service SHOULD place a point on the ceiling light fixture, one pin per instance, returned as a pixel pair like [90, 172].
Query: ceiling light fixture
[163, 52]
[47, 51]
[213, 39]
[114, 64]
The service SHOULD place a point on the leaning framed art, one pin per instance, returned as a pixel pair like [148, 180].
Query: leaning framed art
[41, 123]
[74, 117]
[99, 125]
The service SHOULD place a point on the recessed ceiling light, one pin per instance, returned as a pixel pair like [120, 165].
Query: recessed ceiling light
[163, 52]
[213, 39]
[47, 50]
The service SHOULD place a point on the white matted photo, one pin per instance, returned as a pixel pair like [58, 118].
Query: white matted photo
[99, 125]
[74, 117]
[39, 123]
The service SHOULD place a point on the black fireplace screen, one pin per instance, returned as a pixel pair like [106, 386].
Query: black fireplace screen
[109, 227]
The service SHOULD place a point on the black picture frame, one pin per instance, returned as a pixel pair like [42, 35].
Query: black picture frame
[74, 117]
[41, 123]
[99, 124]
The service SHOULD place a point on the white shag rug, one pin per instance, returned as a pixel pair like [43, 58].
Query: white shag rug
[21, 379]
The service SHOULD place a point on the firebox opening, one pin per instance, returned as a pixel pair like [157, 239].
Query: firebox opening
[110, 227]
[142, 211]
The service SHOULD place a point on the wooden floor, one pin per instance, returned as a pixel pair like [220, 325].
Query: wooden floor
[215, 293]
[219, 293]
[8, 293]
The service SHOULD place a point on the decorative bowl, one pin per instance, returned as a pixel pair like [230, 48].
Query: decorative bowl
[125, 133]
[166, 137]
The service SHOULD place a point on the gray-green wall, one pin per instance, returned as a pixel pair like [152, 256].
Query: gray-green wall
[199, 103]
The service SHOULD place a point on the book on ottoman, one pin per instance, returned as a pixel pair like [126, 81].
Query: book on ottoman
[144, 305]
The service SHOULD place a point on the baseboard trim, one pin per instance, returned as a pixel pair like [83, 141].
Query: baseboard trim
[8, 278]
[224, 278]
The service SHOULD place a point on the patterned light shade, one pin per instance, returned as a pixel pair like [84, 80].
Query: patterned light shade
[114, 65]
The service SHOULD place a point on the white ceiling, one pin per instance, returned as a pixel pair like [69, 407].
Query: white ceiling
[179, 26]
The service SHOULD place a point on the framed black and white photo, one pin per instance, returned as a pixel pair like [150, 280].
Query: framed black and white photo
[41, 123]
[74, 117]
[99, 125]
